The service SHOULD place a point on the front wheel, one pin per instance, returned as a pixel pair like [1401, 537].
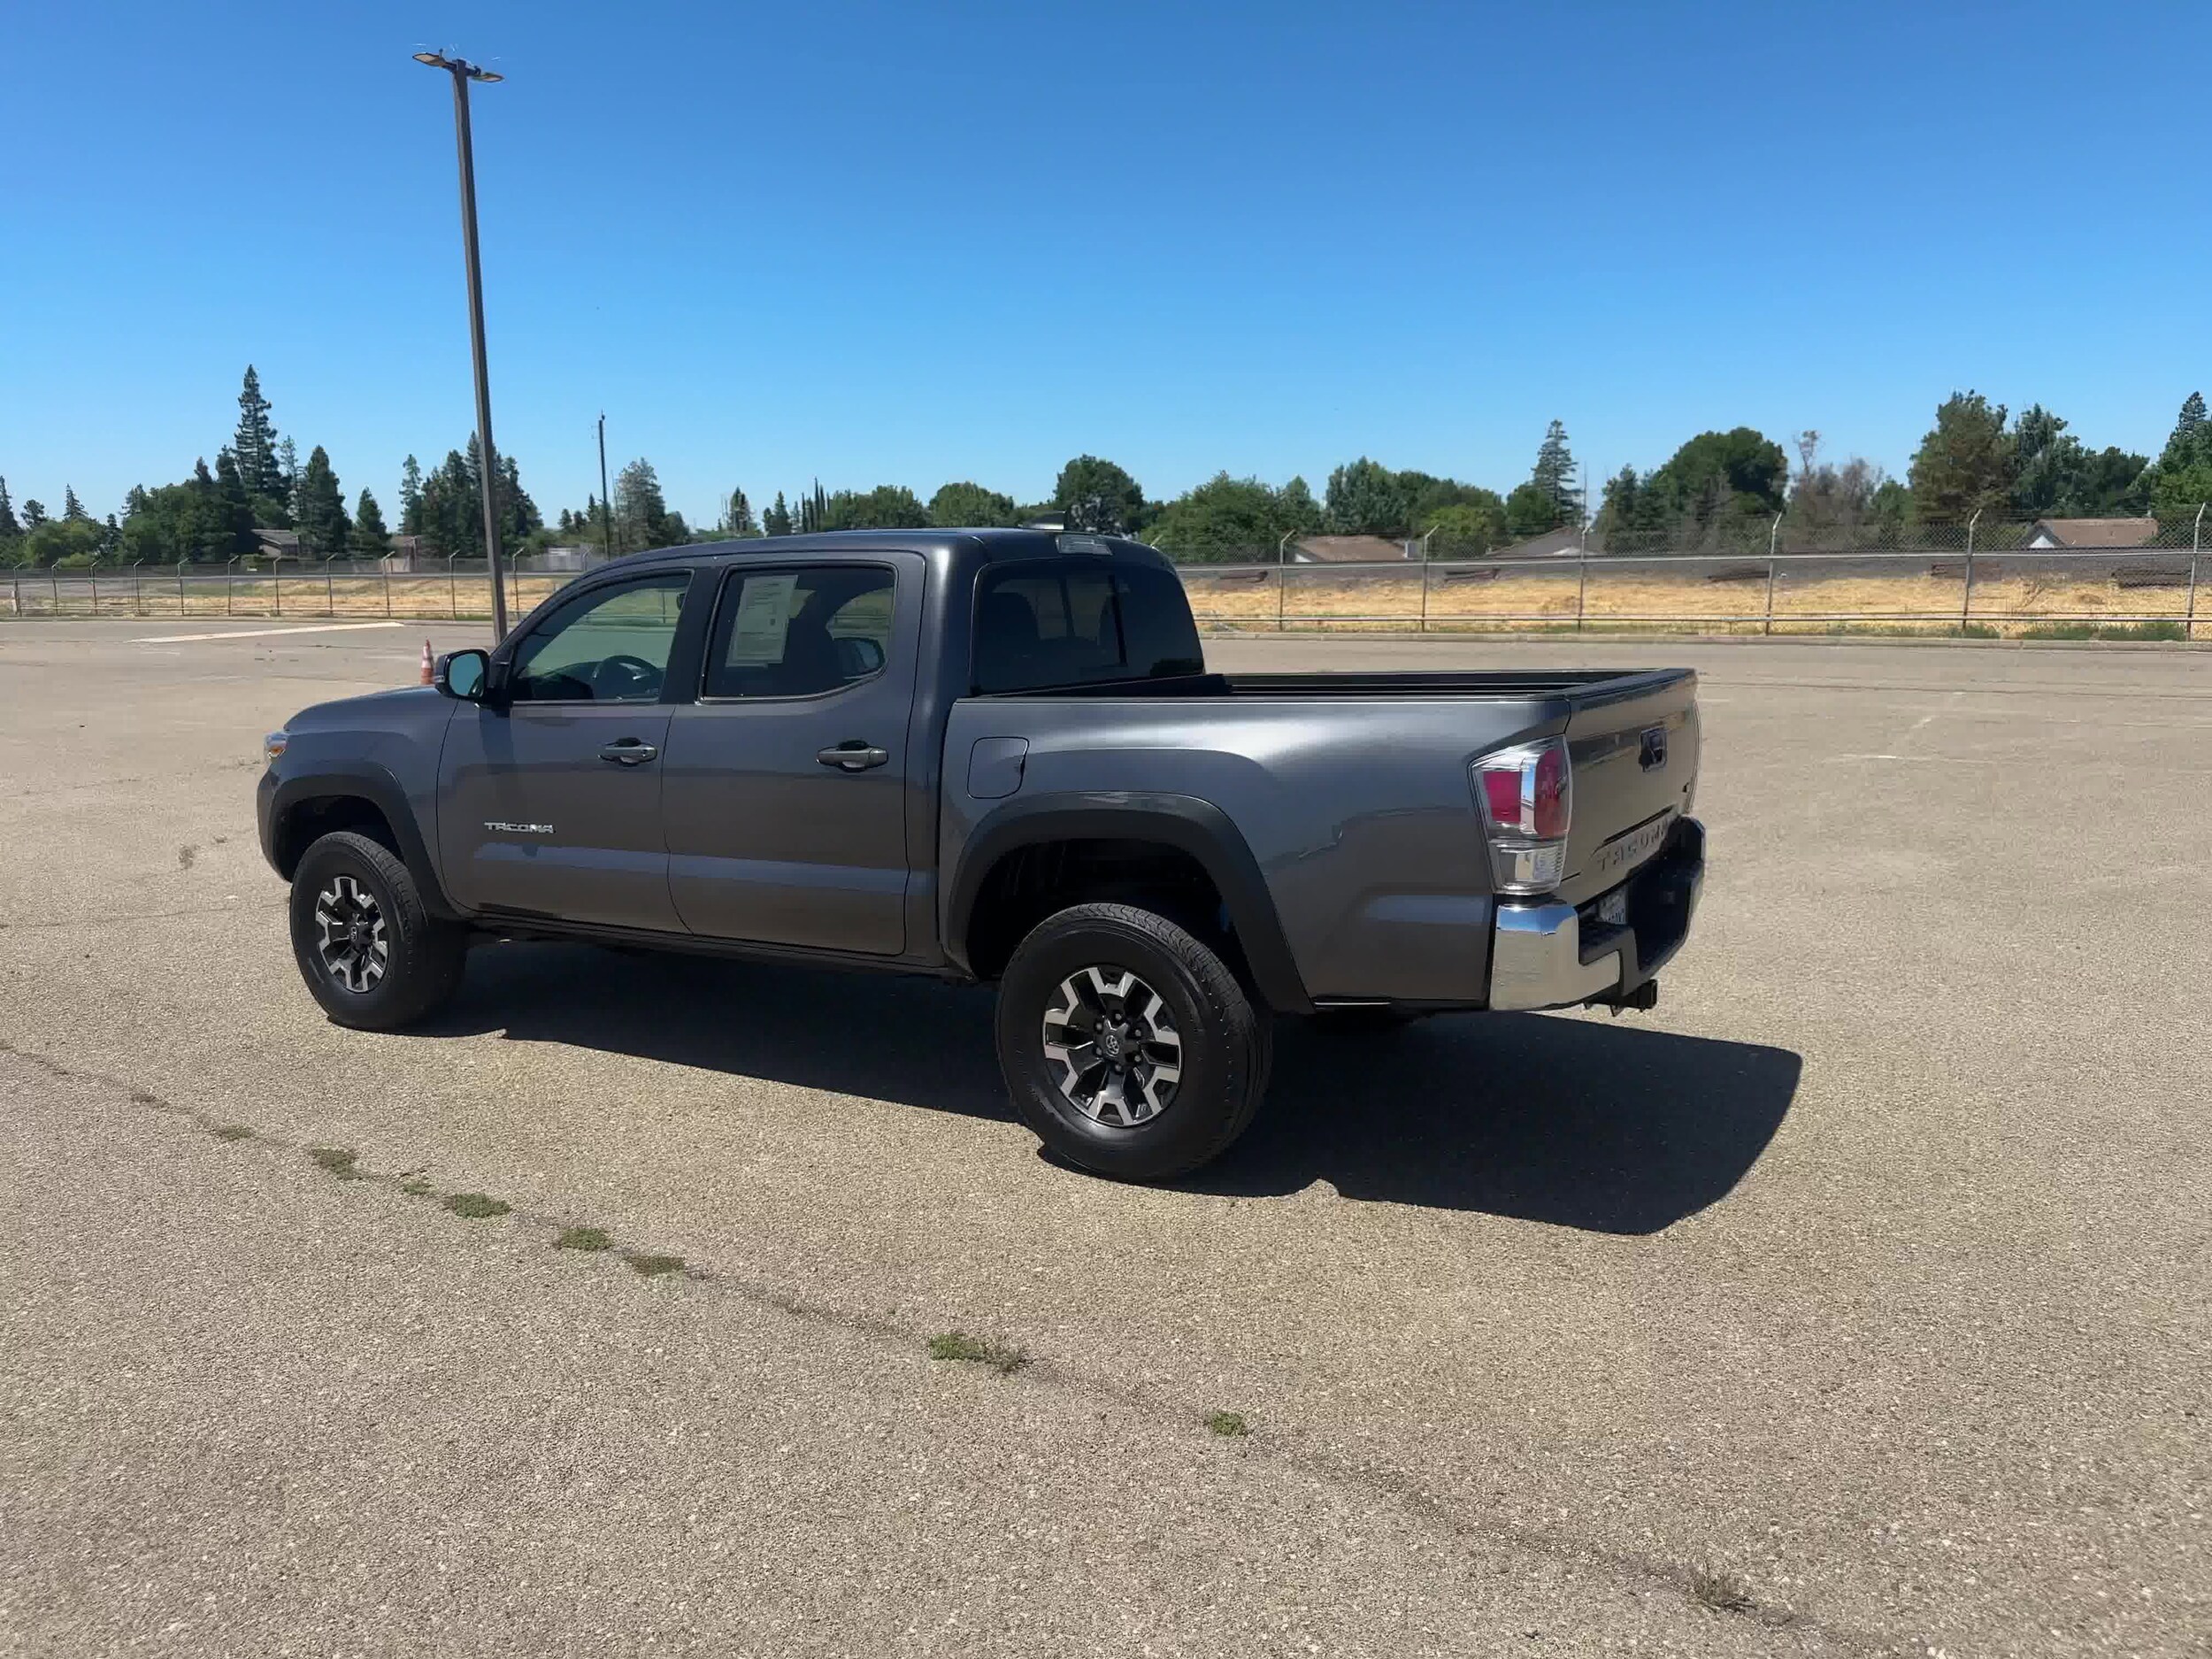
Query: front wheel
[1129, 1046]
[372, 956]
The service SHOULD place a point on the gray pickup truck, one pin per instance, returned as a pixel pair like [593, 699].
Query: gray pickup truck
[997, 756]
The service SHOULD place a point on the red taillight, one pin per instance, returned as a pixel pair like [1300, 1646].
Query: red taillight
[1528, 801]
[1501, 794]
[1550, 818]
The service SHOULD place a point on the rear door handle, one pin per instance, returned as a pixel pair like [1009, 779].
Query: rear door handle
[629, 752]
[853, 754]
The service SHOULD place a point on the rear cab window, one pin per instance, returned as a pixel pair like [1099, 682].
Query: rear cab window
[1079, 622]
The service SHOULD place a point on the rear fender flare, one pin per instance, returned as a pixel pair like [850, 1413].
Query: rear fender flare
[1184, 822]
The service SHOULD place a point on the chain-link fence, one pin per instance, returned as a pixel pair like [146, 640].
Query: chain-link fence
[420, 590]
[1945, 583]
[2137, 578]
[2147, 593]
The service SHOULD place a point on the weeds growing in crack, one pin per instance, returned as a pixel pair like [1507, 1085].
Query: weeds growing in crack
[1231, 1425]
[1723, 1592]
[958, 1345]
[339, 1161]
[651, 1266]
[583, 1238]
[476, 1206]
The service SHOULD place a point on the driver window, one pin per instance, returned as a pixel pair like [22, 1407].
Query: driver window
[800, 633]
[610, 645]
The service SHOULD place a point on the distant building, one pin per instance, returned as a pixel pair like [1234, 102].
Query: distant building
[1563, 542]
[277, 543]
[2092, 533]
[1349, 550]
[409, 553]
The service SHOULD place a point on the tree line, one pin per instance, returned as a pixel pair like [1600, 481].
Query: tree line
[1724, 488]
[1718, 490]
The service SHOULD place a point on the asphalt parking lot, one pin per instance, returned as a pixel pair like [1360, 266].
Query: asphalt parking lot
[1863, 1284]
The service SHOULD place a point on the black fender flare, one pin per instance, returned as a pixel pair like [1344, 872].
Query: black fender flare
[1185, 822]
[381, 790]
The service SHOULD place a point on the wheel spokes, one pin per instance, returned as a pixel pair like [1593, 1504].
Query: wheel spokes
[352, 941]
[1112, 1044]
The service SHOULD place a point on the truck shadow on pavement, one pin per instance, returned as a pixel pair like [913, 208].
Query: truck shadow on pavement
[1603, 1126]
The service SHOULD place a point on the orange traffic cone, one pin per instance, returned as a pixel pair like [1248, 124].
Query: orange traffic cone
[426, 662]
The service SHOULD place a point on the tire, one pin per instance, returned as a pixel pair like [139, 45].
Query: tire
[390, 973]
[1088, 970]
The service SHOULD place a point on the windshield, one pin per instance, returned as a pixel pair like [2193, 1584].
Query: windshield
[1077, 622]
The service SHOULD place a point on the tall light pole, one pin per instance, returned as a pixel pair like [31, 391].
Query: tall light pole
[606, 507]
[487, 483]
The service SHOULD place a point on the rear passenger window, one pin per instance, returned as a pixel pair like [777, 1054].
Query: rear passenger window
[800, 632]
[1077, 622]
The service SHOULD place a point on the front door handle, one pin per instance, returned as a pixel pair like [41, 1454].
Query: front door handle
[629, 752]
[853, 754]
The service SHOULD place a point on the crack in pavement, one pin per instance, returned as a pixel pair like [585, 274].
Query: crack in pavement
[1399, 1492]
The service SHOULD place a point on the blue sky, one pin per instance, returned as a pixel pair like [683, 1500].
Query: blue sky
[906, 243]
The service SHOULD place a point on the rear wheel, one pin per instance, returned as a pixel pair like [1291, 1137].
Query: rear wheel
[1129, 1047]
[372, 955]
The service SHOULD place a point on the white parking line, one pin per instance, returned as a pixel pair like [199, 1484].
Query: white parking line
[255, 633]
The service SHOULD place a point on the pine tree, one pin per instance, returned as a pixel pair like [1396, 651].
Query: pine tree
[777, 519]
[73, 510]
[324, 529]
[254, 445]
[2180, 481]
[370, 539]
[34, 515]
[9, 528]
[814, 511]
[1555, 476]
[737, 517]
[287, 497]
[236, 509]
[641, 508]
[411, 497]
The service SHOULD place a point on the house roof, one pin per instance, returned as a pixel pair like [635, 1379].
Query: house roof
[1348, 550]
[2097, 532]
[1551, 544]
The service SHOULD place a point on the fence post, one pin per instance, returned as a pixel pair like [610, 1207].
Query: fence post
[53, 576]
[452, 589]
[388, 587]
[330, 587]
[1582, 586]
[138, 594]
[2196, 541]
[180, 587]
[276, 579]
[1774, 533]
[92, 575]
[1966, 604]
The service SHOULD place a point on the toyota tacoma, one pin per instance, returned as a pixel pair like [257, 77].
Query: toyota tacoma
[996, 755]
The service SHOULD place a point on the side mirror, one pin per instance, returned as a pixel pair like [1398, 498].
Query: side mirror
[462, 675]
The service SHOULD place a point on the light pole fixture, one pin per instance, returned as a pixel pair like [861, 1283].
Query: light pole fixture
[487, 481]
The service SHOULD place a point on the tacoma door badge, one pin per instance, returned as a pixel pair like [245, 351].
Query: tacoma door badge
[518, 829]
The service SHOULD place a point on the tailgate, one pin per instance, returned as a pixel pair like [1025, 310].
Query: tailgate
[1633, 744]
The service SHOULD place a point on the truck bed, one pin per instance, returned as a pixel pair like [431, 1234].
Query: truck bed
[1586, 687]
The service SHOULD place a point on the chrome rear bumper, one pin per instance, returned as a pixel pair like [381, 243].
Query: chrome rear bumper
[1541, 958]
